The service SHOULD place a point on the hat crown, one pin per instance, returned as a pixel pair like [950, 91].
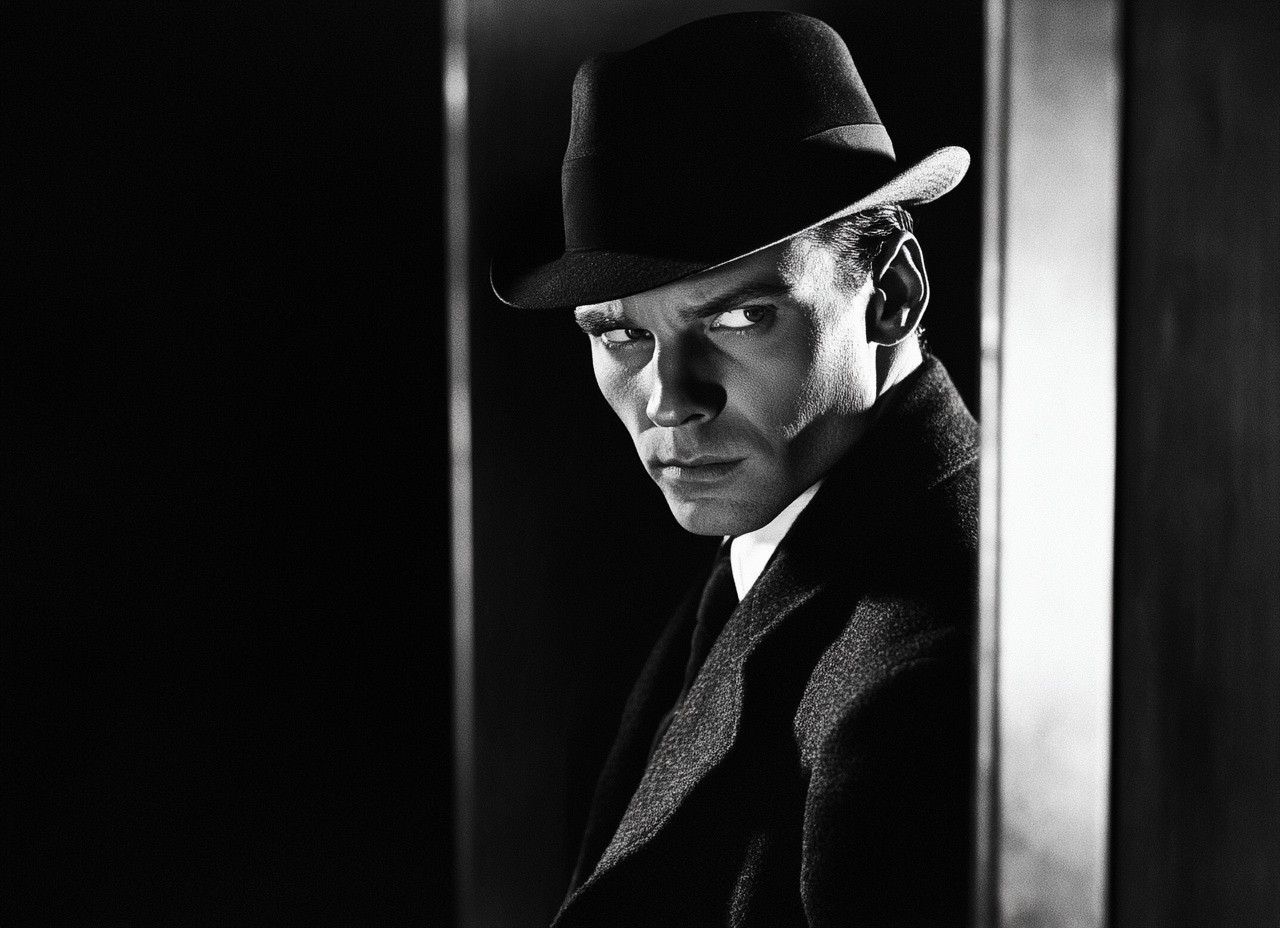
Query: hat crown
[751, 79]
[706, 144]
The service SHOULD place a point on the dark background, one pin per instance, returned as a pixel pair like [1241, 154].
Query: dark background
[1195, 825]
[227, 617]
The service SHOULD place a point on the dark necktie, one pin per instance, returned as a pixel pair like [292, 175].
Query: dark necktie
[719, 597]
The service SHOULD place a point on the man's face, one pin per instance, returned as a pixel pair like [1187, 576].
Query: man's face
[740, 386]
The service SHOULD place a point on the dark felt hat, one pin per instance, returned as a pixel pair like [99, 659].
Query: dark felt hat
[714, 141]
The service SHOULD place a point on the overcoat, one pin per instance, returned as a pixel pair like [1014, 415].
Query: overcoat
[819, 770]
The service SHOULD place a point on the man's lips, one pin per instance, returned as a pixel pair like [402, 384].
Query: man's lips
[697, 469]
[700, 460]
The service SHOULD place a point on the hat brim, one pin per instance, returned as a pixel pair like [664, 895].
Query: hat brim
[579, 278]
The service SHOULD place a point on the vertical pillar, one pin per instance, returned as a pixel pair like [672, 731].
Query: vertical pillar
[1049, 340]
[458, 270]
[1197, 765]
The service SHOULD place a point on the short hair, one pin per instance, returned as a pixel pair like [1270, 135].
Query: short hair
[856, 240]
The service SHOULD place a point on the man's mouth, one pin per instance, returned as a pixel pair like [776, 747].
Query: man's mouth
[697, 469]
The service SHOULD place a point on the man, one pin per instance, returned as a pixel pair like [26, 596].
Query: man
[797, 749]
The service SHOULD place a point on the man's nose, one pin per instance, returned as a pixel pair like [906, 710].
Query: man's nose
[684, 388]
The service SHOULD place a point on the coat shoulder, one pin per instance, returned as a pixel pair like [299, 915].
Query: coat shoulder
[886, 639]
[908, 609]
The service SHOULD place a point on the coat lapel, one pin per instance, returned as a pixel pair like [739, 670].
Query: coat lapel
[705, 728]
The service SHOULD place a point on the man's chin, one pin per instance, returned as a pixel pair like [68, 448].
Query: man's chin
[719, 516]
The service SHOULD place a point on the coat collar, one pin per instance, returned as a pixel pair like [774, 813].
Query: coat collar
[925, 436]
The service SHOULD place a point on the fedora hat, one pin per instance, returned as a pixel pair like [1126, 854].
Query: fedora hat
[712, 142]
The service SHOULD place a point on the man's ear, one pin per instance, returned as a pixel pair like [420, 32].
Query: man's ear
[900, 290]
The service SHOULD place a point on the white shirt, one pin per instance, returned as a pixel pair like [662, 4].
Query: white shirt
[749, 553]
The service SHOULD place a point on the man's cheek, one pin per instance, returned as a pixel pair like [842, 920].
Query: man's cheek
[774, 402]
[621, 390]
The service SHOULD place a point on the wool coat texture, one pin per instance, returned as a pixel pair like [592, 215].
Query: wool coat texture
[819, 770]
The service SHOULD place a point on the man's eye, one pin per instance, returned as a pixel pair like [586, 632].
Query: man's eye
[743, 318]
[623, 336]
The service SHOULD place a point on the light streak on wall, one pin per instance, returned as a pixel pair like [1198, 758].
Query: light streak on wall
[457, 235]
[1050, 479]
[986, 781]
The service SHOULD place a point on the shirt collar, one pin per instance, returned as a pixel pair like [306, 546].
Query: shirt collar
[750, 553]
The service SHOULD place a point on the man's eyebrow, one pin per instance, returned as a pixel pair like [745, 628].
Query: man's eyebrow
[601, 318]
[596, 319]
[760, 290]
